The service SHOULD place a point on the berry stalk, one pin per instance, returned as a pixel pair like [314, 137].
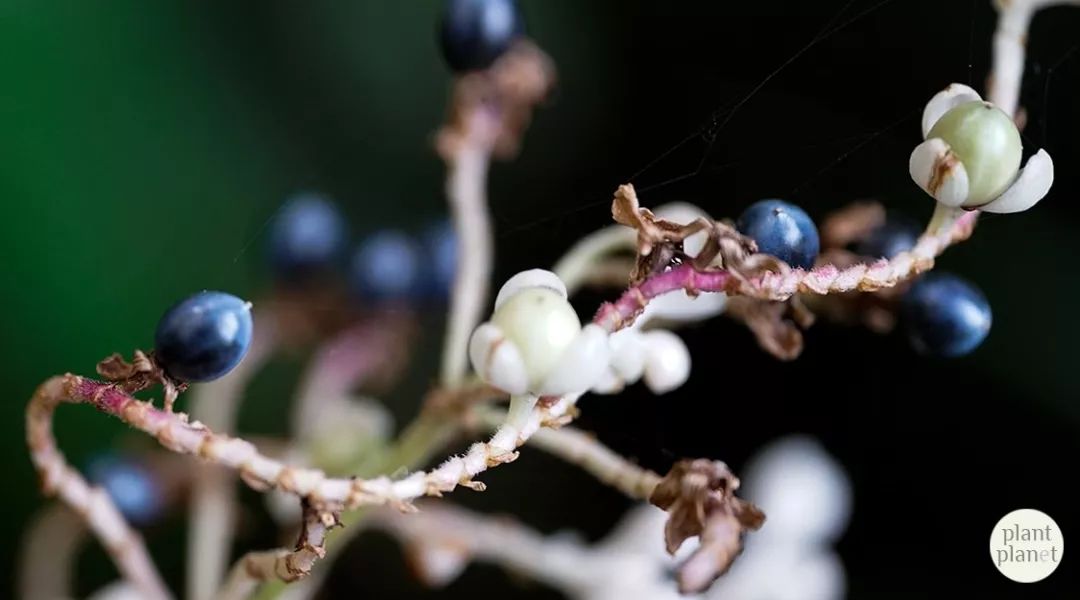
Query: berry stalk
[284, 565]
[585, 451]
[472, 224]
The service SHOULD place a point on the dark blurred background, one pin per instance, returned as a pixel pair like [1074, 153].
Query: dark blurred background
[144, 146]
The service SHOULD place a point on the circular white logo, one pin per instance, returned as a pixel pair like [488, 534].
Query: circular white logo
[1026, 545]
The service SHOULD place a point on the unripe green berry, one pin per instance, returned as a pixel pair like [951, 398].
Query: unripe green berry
[541, 324]
[987, 142]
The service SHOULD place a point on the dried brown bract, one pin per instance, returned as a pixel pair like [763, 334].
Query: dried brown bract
[699, 496]
[660, 242]
[778, 326]
[497, 103]
[139, 374]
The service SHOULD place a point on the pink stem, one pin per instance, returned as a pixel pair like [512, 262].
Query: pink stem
[613, 316]
[822, 280]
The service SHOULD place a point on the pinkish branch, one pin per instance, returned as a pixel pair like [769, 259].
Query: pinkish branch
[93, 504]
[783, 285]
[621, 313]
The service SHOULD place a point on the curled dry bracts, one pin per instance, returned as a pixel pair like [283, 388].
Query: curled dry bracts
[971, 156]
[699, 496]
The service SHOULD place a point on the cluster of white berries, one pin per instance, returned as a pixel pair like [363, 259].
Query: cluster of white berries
[972, 153]
[535, 345]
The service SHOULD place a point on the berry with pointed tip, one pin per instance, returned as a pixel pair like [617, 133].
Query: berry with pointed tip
[945, 315]
[387, 266]
[134, 489]
[307, 237]
[203, 336]
[474, 33]
[897, 234]
[783, 230]
[988, 144]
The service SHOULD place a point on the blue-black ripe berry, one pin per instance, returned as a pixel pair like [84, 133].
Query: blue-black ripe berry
[134, 489]
[896, 235]
[945, 315]
[474, 33]
[782, 230]
[387, 266]
[203, 337]
[308, 236]
[440, 258]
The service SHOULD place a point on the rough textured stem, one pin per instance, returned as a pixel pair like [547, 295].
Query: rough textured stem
[579, 448]
[51, 544]
[213, 501]
[779, 286]
[879, 275]
[613, 316]
[174, 432]
[472, 225]
[284, 565]
[93, 504]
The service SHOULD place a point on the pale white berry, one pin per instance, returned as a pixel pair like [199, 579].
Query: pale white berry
[541, 324]
[497, 361]
[820, 511]
[628, 350]
[987, 142]
[533, 278]
[582, 365]
[667, 363]
[971, 156]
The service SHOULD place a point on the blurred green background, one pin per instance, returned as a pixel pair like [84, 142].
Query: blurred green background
[144, 147]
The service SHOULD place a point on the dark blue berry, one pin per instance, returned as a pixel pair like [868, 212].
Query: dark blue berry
[387, 266]
[782, 230]
[894, 236]
[474, 33]
[945, 315]
[441, 256]
[203, 337]
[134, 489]
[308, 236]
